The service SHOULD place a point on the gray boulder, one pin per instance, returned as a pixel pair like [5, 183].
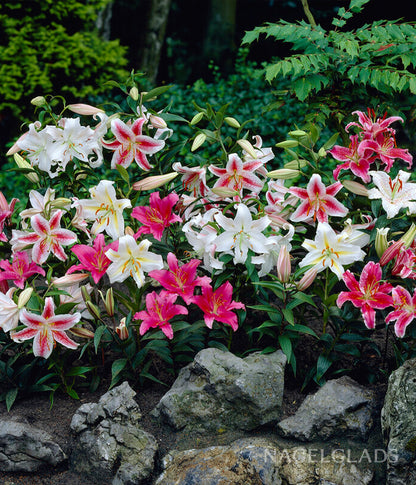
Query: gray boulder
[25, 448]
[221, 391]
[259, 461]
[110, 445]
[398, 422]
[340, 407]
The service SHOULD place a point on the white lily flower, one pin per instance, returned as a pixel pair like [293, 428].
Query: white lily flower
[105, 209]
[394, 194]
[241, 234]
[132, 259]
[330, 250]
[9, 311]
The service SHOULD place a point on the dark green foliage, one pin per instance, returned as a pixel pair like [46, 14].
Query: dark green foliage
[53, 47]
[343, 68]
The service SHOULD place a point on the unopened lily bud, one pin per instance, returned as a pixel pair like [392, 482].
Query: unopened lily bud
[197, 118]
[296, 164]
[283, 265]
[157, 122]
[232, 122]
[93, 309]
[198, 141]
[84, 109]
[322, 152]
[409, 236]
[224, 192]
[391, 252]
[61, 203]
[381, 243]
[109, 302]
[154, 181]
[283, 173]
[14, 149]
[22, 163]
[248, 147]
[297, 133]
[287, 144]
[85, 295]
[134, 93]
[121, 330]
[82, 332]
[307, 279]
[38, 101]
[69, 280]
[355, 187]
[24, 297]
[128, 231]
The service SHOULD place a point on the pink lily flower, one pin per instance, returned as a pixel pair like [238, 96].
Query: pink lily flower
[372, 126]
[47, 328]
[385, 148]
[47, 237]
[6, 211]
[158, 216]
[180, 281]
[193, 179]
[160, 309]
[318, 201]
[238, 175]
[369, 293]
[20, 269]
[357, 158]
[218, 305]
[130, 144]
[404, 310]
[93, 259]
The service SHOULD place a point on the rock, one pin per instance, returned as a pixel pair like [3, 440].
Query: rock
[398, 422]
[221, 391]
[25, 448]
[341, 406]
[110, 445]
[259, 461]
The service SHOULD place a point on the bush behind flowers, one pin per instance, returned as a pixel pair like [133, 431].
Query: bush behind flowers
[127, 257]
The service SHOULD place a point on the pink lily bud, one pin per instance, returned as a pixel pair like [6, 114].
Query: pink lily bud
[157, 122]
[82, 332]
[307, 279]
[155, 181]
[283, 265]
[355, 187]
[84, 109]
[128, 231]
[391, 252]
[122, 331]
[69, 280]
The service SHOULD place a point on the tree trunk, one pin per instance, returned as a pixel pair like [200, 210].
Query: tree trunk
[219, 44]
[154, 34]
[103, 22]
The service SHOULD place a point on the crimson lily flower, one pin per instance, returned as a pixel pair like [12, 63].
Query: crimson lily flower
[372, 126]
[238, 175]
[318, 200]
[404, 309]
[6, 211]
[130, 144]
[156, 217]
[93, 259]
[20, 269]
[384, 145]
[368, 294]
[218, 305]
[357, 158]
[47, 328]
[181, 280]
[160, 309]
[47, 237]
